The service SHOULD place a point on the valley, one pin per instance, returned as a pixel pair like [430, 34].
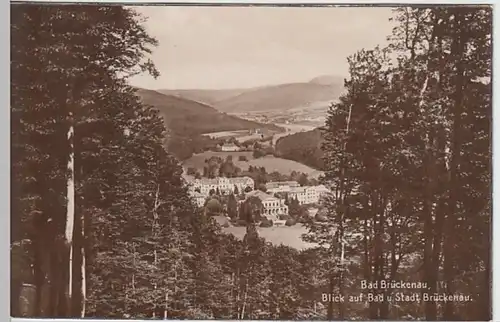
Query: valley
[270, 127]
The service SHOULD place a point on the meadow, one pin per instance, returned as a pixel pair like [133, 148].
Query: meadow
[288, 236]
[270, 163]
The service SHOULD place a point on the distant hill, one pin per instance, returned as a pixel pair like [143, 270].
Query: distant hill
[187, 120]
[206, 96]
[303, 147]
[328, 80]
[186, 117]
[280, 97]
[285, 96]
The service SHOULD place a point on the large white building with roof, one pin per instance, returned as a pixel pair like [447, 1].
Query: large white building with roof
[224, 185]
[305, 195]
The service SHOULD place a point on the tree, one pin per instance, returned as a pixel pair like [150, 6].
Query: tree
[303, 180]
[213, 207]
[258, 153]
[191, 171]
[295, 210]
[251, 210]
[262, 187]
[390, 165]
[232, 207]
[89, 67]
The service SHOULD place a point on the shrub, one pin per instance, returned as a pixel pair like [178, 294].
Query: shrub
[290, 222]
[242, 158]
[240, 223]
[266, 223]
[320, 218]
[191, 171]
[284, 217]
[257, 153]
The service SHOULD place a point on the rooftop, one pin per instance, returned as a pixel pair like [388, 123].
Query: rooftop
[215, 181]
[282, 183]
[259, 194]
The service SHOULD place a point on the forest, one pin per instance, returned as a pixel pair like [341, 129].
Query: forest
[102, 225]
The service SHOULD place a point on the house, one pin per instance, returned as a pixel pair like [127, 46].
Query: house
[273, 207]
[229, 148]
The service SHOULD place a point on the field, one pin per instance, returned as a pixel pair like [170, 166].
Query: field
[271, 163]
[244, 138]
[198, 160]
[280, 165]
[226, 134]
[288, 236]
[294, 128]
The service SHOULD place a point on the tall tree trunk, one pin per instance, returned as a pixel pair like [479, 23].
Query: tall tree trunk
[77, 262]
[331, 288]
[429, 266]
[245, 298]
[70, 214]
[165, 311]
[341, 274]
[83, 286]
[454, 184]
[39, 277]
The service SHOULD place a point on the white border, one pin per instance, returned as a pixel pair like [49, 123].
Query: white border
[5, 119]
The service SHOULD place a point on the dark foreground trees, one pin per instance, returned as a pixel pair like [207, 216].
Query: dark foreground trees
[408, 154]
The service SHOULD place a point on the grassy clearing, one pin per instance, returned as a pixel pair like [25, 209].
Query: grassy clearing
[198, 160]
[269, 162]
[226, 134]
[288, 236]
[280, 165]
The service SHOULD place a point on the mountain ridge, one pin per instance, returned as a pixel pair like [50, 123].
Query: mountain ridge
[278, 97]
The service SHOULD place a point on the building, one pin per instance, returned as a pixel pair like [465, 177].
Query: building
[273, 207]
[224, 185]
[281, 186]
[305, 195]
[229, 148]
[198, 198]
[322, 190]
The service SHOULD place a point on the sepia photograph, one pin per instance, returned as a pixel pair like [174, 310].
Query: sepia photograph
[251, 162]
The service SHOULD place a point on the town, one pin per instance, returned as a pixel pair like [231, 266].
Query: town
[274, 199]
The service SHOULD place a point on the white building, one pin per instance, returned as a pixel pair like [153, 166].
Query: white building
[273, 207]
[198, 198]
[229, 148]
[281, 186]
[305, 195]
[225, 185]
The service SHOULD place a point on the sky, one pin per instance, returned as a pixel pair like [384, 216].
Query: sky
[241, 47]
